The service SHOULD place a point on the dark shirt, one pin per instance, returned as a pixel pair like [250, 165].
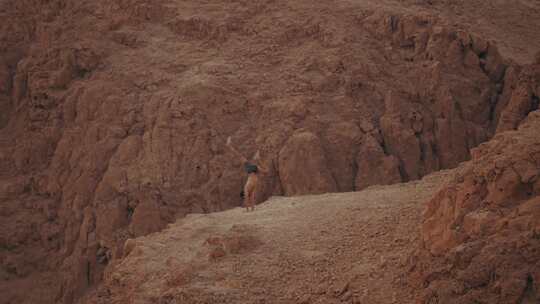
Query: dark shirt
[250, 168]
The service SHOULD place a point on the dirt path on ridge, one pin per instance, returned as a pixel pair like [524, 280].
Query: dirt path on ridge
[333, 248]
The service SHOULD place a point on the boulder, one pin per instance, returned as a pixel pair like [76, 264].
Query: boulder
[399, 138]
[342, 141]
[303, 166]
[374, 167]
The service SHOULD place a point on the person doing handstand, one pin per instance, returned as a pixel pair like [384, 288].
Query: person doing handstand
[252, 169]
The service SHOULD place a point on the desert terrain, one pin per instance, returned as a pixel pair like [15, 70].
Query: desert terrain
[400, 136]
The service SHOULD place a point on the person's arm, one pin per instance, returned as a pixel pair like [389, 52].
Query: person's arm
[262, 168]
[242, 158]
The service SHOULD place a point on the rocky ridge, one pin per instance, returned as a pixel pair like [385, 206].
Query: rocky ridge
[113, 116]
[480, 233]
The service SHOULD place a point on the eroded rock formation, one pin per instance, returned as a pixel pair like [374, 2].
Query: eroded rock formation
[480, 233]
[374, 166]
[303, 166]
[113, 116]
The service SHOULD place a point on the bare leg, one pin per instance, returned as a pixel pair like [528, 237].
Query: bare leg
[249, 191]
[252, 200]
[247, 195]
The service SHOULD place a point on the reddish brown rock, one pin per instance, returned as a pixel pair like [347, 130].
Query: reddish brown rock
[374, 167]
[522, 97]
[494, 64]
[146, 218]
[400, 139]
[481, 228]
[342, 141]
[408, 135]
[518, 107]
[118, 112]
[479, 45]
[5, 79]
[303, 166]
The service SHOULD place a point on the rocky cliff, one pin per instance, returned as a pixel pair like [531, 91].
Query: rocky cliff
[480, 233]
[113, 115]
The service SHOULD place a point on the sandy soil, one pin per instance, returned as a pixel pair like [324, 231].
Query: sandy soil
[332, 248]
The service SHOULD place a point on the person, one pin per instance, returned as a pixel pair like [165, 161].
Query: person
[253, 169]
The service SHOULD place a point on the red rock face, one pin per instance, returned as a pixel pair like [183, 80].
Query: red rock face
[374, 167]
[113, 117]
[480, 233]
[302, 166]
[523, 99]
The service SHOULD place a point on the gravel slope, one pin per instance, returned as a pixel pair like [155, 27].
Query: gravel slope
[330, 248]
